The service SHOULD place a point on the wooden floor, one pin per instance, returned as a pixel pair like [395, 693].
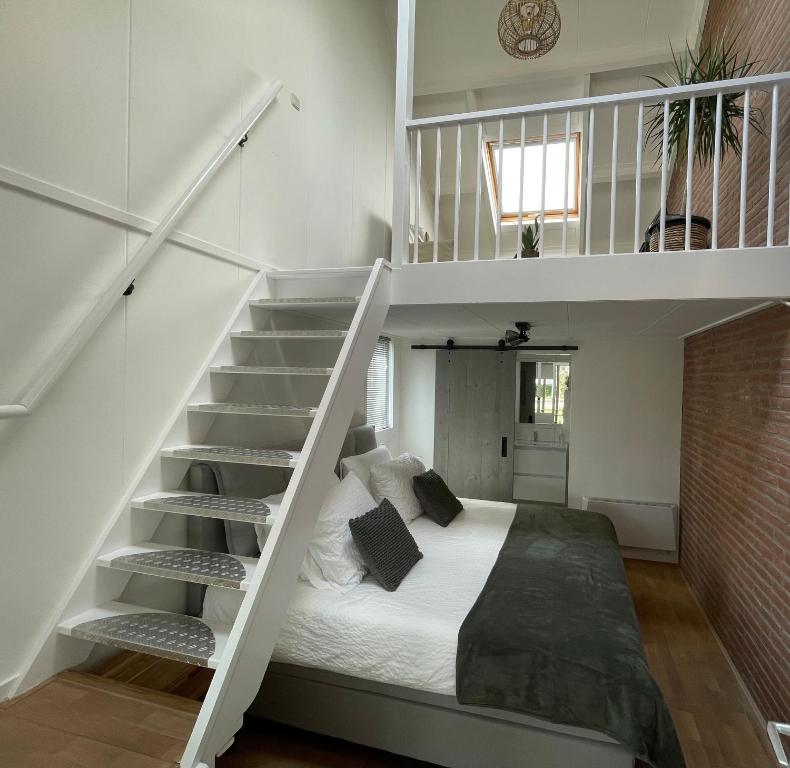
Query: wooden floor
[709, 709]
[711, 713]
[76, 720]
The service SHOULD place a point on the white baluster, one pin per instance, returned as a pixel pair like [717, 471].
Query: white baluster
[456, 221]
[664, 168]
[417, 193]
[613, 198]
[477, 189]
[437, 190]
[714, 236]
[640, 120]
[769, 240]
[588, 207]
[499, 196]
[521, 187]
[543, 186]
[747, 100]
[567, 168]
[690, 168]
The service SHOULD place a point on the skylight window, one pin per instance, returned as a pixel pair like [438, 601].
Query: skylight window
[533, 172]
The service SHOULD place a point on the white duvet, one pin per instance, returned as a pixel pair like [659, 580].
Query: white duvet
[408, 637]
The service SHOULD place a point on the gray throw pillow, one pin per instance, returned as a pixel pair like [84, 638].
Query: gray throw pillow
[436, 499]
[386, 545]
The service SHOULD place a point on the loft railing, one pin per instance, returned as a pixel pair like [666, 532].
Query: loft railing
[254, 635]
[433, 144]
[49, 372]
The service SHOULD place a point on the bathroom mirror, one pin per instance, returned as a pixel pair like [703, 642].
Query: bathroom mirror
[542, 387]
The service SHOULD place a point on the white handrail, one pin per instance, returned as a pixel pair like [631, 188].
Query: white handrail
[775, 733]
[51, 370]
[257, 626]
[632, 97]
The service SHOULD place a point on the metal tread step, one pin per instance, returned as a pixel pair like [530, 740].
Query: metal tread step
[316, 302]
[209, 505]
[250, 409]
[217, 569]
[290, 335]
[159, 633]
[265, 457]
[277, 370]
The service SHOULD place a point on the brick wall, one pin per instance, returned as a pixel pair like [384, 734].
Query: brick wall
[765, 29]
[735, 495]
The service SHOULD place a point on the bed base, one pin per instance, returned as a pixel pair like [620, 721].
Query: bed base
[426, 726]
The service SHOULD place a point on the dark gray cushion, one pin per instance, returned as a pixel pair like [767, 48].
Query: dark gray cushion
[386, 545]
[253, 482]
[436, 499]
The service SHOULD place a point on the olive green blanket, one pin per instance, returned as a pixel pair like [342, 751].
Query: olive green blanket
[554, 635]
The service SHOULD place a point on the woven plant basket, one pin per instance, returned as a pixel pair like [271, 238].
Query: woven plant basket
[675, 233]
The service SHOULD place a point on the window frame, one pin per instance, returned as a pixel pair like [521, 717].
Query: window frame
[553, 214]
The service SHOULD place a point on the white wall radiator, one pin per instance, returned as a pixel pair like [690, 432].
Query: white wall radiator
[647, 529]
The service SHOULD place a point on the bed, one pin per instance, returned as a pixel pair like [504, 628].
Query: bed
[379, 668]
[372, 634]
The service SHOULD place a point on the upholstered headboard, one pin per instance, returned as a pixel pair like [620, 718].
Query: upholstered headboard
[240, 480]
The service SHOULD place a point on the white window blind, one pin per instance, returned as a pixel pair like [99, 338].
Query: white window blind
[379, 389]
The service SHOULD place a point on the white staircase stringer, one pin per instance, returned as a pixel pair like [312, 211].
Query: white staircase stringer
[47, 657]
[255, 631]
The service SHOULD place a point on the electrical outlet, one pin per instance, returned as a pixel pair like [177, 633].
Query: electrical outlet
[296, 102]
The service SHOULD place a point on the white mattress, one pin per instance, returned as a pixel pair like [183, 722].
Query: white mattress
[408, 637]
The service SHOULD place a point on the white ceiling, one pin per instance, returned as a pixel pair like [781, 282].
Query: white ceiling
[457, 47]
[560, 321]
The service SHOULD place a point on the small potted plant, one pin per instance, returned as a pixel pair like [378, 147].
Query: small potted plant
[718, 60]
[530, 237]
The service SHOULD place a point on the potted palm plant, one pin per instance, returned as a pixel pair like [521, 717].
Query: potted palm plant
[718, 60]
[530, 238]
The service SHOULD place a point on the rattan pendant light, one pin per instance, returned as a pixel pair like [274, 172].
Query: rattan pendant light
[529, 29]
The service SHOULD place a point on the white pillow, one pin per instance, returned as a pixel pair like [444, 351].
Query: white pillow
[262, 531]
[333, 560]
[361, 465]
[392, 480]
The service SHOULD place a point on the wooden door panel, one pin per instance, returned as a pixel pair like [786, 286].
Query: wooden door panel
[475, 400]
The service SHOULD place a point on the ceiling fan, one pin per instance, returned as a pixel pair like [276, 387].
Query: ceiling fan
[519, 336]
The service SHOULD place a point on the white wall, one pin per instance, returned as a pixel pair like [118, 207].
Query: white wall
[625, 416]
[414, 414]
[625, 419]
[123, 101]
[415, 381]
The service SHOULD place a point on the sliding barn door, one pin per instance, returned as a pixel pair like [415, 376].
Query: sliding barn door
[475, 416]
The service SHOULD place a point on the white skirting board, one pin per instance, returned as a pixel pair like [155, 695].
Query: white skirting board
[426, 726]
[6, 686]
[646, 530]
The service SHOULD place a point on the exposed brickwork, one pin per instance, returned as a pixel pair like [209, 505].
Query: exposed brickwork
[735, 495]
[765, 29]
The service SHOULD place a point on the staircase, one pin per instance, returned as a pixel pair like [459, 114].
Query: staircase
[284, 388]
